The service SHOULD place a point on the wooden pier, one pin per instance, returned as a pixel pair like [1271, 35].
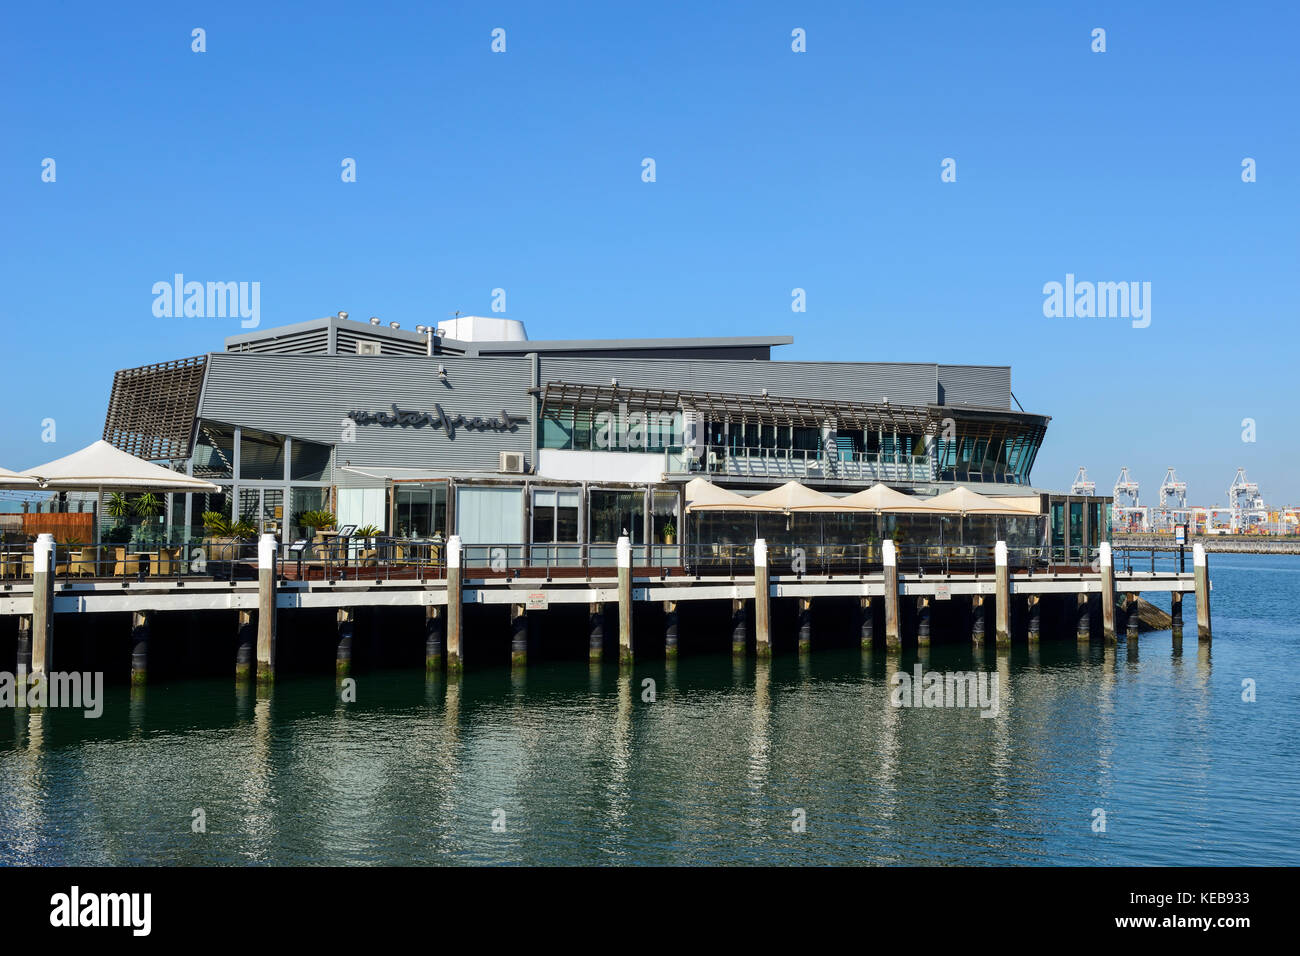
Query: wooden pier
[898, 607]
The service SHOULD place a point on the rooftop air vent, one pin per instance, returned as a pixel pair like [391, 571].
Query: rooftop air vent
[374, 319]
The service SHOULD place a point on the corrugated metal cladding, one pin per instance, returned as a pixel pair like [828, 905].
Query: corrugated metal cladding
[901, 383]
[309, 397]
[985, 385]
[308, 342]
[348, 339]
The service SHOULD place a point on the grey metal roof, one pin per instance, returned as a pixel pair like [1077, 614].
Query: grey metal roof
[615, 345]
[281, 331]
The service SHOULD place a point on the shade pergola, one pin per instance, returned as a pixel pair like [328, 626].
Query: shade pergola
[704, 495]
[791, 496]
[966, 502]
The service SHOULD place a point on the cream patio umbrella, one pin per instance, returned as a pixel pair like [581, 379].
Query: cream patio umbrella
[878, 498]
[11, 480]
[99, 465]
[704, 495]
[963, 501]
[791, 497]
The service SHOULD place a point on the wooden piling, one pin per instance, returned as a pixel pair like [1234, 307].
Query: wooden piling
[596, 630]
[1002, 582]
[1176, 613]
[1106, 565]
[1035, 610]
[1083, 619]
[455, 610]
[246, 645]
[432, 639]
[922, 622]
[625, 650]
[518, 635]
[867, 622]
[805, 625]
[42, 606]
[343, 655]
[889, 555]
[977, 621]
[1131, 616]
[1201, 571]
[670, 630]
[139, 647]
[266, 608]
[739, 628]
[762, 601]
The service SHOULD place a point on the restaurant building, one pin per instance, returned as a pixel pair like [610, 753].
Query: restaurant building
[550, 447]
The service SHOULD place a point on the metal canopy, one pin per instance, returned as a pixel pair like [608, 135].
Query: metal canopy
[768, 409]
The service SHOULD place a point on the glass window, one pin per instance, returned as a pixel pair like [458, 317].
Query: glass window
[663, 515]
[203, 502]
[555, 516]
[807, 438]
[557, 428]
[304, 499]
[582, 429]
[1076, 526]
[261, 456]
[214, 452]
[614, 513]
[490, 515]
[420, 511]
[308, 461]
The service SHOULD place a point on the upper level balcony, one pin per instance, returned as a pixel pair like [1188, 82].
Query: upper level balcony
[858, 468]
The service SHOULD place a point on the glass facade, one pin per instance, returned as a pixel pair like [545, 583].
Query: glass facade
[420, 511]
[615, 513]
[555, 515]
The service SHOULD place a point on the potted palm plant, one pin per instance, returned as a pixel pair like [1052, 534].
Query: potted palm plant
[670, 533]
[315, 521]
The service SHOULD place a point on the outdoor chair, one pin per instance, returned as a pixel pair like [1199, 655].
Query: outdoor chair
[125, 564]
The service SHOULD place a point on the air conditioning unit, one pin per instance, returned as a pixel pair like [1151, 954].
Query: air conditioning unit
[512, 462]
[368, 348]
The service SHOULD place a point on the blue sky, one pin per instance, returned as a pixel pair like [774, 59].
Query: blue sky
[775, 170]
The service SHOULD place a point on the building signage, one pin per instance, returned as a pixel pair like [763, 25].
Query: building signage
[438, 418]
[942, 591]
[537, 601]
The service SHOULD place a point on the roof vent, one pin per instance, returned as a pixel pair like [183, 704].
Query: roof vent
[374, 319]
[343, 315]
[394, 325]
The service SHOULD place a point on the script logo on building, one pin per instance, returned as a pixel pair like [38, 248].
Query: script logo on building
[215, 300]
[438, 418]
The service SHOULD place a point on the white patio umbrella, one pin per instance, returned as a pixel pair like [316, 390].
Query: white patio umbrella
[11, 480]
[99, 465]
[963, 501]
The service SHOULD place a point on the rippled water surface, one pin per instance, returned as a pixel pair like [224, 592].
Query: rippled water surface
[578, 768]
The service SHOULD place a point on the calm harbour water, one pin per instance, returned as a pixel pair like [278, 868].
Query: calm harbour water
[581, 770]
